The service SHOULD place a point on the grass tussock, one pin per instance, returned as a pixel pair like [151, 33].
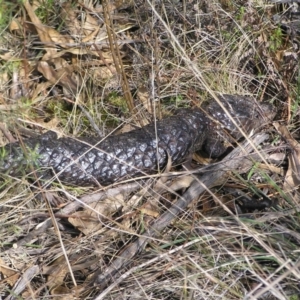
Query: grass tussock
[85, 69]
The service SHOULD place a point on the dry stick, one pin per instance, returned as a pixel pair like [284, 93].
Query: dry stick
[236, 161]
[6, 133]
[145, 264]
[41, 228]
[112, 38]
[73, 206]
[22, 282]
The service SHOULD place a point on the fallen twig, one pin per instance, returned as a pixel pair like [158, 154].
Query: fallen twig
[237, 160]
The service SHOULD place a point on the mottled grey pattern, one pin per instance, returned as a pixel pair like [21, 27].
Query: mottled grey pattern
[139, 152]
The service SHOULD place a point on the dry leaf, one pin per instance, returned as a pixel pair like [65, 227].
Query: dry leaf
[89, 220]
[8, 56]
[69, 15]
[60, 64]
[91, 36]
[15, 25]
[41, 88]
[57, 38]
[51, 125]
[182, 182]
[60, 77]
[144, 98]
[90, 25]
[36, 4]
[126, 128]
[48, 72]
[110, 7]
[10, 276]
[150, 210]
[40, 27]
[292, 177]
[56, 272]
[62, 290]
[86, 222]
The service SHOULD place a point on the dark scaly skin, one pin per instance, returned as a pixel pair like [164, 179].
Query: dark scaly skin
[139, 152]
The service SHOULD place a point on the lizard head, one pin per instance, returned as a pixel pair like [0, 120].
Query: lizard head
[242, 116]
[244, 111]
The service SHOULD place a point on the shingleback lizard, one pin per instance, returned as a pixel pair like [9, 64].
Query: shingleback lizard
[142, 151]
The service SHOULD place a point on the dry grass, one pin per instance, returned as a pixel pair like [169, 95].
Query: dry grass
[59, 70]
